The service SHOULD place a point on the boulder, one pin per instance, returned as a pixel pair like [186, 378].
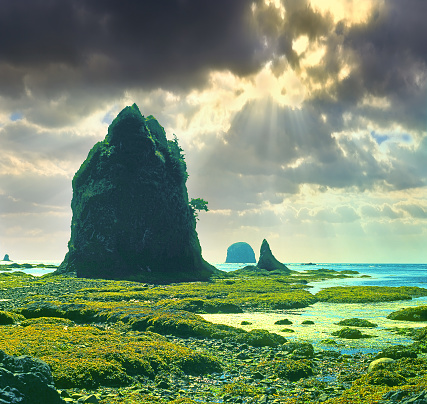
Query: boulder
[26, 380]
[380, 363]
[267, 260]
[240, 252]
[131, 215]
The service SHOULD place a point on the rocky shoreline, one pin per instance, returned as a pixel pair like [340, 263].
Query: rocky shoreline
[112, 342]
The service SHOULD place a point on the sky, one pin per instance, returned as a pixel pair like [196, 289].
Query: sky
[302, 122]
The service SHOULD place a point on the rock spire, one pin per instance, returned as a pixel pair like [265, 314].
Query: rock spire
[131, 214]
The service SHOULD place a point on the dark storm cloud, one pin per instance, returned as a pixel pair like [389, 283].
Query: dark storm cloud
[388, 60]
[56, 45]
[269, 147]
[270, 151]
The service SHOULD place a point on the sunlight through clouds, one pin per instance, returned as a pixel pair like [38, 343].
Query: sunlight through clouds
[301, 121]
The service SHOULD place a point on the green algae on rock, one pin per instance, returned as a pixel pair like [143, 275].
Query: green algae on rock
[131, 214]
[367, 294]
[87, 356]
[357, 322]
[350, 333]
[410, 314]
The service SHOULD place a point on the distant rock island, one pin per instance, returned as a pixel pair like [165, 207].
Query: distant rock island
[131, 215]
[267, 260]
[267, 265]
[240, 252]
[6, 257]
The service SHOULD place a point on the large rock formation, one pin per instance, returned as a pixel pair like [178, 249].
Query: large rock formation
[268, 261]
[6, 257]
[240, 252]
[131, 215]
[26, 380]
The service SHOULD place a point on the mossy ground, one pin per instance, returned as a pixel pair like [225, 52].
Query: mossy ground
[119, 335]
[368, 294]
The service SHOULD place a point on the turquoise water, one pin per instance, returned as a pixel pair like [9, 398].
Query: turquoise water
[380, 274]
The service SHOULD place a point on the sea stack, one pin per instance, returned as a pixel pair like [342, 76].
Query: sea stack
[267, 260]
[240, 252]
[131, 214]
[6, 257]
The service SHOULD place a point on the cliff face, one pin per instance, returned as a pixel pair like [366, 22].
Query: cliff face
[240, 252]
[131, 217]
[268, 261]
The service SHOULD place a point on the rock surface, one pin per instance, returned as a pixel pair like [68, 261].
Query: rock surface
[26, 380]
[267, 260]
[240, 252]
[131, 214]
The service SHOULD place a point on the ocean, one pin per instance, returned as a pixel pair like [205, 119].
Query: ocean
[380, 274]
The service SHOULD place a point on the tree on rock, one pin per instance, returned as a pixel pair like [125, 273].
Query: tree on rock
[131, 214]
[268, 261]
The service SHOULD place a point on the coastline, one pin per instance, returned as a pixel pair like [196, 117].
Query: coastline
[59, 319]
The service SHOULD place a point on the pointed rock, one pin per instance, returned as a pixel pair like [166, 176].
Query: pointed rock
[131, 215]
[267, 260]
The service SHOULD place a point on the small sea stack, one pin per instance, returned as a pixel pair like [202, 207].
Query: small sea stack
[131, 215]
[240, 252]
[267, 260]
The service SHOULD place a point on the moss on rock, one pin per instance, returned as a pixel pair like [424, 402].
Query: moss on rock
[410, 314]
[131, 214]
[357, 322]
[367, 294]
[350, 333]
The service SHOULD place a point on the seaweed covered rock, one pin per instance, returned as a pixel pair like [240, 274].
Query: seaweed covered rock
[26, 380]
[350, 333]
[240, 252]
[410, 314]
[268, 261]
[357, 322]
[397, 352]
[131, 214]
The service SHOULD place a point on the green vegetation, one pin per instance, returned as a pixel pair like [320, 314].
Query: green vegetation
[350, 333]
[198, 204]
[410, 314]
[409, 374]
[284, 321]
[357, 322]
[100, 333]
[308, 322]
[242, 389]
[10, 318]
[293, 370]
[239, 294]
[368, 294]
[86, 356]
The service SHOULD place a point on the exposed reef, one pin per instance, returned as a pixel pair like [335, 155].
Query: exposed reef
[131, 214]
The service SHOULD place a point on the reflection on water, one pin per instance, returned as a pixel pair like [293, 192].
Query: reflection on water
[325, 315]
